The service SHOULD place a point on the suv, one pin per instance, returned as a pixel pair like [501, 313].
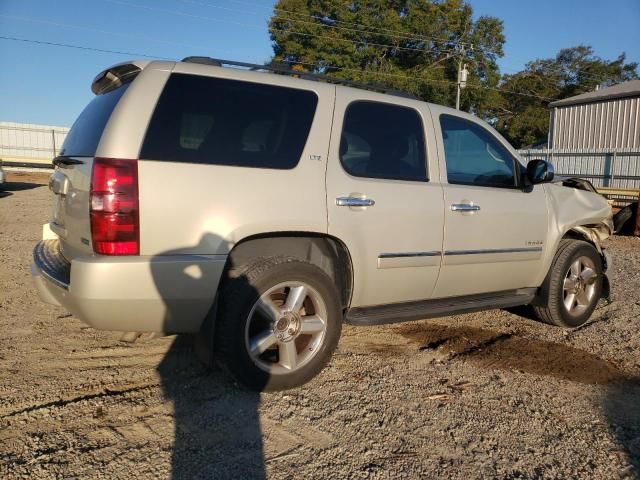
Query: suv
[260, 211]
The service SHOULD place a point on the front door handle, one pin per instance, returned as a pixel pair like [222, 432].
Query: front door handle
[354, 202]
[465, 207]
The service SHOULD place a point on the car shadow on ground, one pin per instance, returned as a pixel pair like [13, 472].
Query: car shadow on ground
[217, 424]
[19, 186]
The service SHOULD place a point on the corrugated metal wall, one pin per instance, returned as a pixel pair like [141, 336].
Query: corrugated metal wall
[29, 142]
[618, 168]
[606, 124]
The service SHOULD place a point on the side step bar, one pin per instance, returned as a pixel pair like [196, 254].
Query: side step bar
[441, 307]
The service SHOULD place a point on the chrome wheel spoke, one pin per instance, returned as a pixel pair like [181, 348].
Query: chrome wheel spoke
[569, 284]
[576, 268]
[588, 276]
[569, 300]
[295, 299]
[267, 308]
[312, 324]
[582, 298]
[288, 355]
[261, 342]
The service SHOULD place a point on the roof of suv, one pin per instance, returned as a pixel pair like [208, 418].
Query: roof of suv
[244, 71]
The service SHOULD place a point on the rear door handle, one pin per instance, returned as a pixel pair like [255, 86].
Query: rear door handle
[465, 207]
[355, 202]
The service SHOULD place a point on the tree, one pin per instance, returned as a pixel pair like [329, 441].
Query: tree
[523, 118]
[409, 45]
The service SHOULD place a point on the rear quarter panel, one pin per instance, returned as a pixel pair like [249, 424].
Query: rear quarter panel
[191, 208]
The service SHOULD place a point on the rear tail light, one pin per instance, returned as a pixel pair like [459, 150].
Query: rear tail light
[115, 224]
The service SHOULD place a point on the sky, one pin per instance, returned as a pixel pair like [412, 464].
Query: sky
[47, 84]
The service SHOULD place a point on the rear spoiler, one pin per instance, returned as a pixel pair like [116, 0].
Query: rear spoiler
[115, 76]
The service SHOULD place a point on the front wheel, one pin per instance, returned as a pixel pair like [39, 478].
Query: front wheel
[573, 285]
[279, 322]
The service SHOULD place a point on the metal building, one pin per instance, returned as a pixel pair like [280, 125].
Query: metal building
[608, 118]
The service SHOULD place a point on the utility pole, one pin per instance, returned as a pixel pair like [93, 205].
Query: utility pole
[463, 73]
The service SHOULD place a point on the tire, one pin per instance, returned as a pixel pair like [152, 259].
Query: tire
[573, 286]
[278, 323]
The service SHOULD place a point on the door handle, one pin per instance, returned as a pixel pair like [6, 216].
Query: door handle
[465, 207]
[355, 202]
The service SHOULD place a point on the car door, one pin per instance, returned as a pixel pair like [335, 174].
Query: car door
[494, 229]
[380, 200]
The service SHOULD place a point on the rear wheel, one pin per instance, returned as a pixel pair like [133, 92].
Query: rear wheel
[278, 324]
[573, 285]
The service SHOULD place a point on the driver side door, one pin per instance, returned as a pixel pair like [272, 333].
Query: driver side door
[494, 229]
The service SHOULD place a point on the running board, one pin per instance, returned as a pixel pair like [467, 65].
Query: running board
[441, 307]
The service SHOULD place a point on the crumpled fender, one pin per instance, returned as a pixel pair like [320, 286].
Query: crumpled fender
[586, 214]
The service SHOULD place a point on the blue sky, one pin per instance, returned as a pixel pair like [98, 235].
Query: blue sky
[50, 85]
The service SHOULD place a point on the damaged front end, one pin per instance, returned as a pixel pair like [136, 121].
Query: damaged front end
[579, 211]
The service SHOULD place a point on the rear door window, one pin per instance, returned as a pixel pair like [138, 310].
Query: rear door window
[380, 140]
[84, 136]
[229, 122]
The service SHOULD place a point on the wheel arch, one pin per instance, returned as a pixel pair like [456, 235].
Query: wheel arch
[325, 251]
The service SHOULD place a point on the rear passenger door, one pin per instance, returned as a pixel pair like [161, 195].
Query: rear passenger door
[380, 199]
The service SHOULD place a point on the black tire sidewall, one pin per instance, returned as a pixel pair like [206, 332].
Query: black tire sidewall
[237, 299]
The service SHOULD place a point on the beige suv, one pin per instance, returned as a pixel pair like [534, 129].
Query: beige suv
[262, 210]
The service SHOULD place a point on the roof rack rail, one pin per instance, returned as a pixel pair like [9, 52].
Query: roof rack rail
[277, 68]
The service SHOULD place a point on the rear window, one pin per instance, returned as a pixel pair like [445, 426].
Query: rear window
[83, 138]
[229, 122]
[381, 140]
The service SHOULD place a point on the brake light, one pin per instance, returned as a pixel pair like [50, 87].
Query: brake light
[115, 224]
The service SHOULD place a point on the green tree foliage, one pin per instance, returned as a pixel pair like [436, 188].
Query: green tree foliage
[523, 119]
[409, 45]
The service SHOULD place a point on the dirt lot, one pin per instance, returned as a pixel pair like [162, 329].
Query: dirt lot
[473, 396]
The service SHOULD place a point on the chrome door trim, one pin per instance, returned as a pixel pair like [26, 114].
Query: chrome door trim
[409, 259]
[493, 255]
[409, 254]
[492, 250]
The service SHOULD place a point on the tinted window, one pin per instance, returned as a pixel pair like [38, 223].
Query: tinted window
[84, 136]
[474, 156]
[380, 140]
[229, 122]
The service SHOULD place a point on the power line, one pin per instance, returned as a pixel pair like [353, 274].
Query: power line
[286, 31]
[414, 77]
[556, 70]
[89, 29]
[323, 19]
[402, 76]
[78, 47]
[326, 17]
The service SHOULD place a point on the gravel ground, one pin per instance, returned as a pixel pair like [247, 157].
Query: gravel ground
[486, 395]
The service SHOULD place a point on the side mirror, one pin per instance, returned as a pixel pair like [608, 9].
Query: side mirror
[539, 171]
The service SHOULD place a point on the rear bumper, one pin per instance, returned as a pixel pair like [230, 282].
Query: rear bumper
[164, 293]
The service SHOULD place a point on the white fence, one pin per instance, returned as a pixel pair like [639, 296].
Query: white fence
[24, 142]
[616, 168]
